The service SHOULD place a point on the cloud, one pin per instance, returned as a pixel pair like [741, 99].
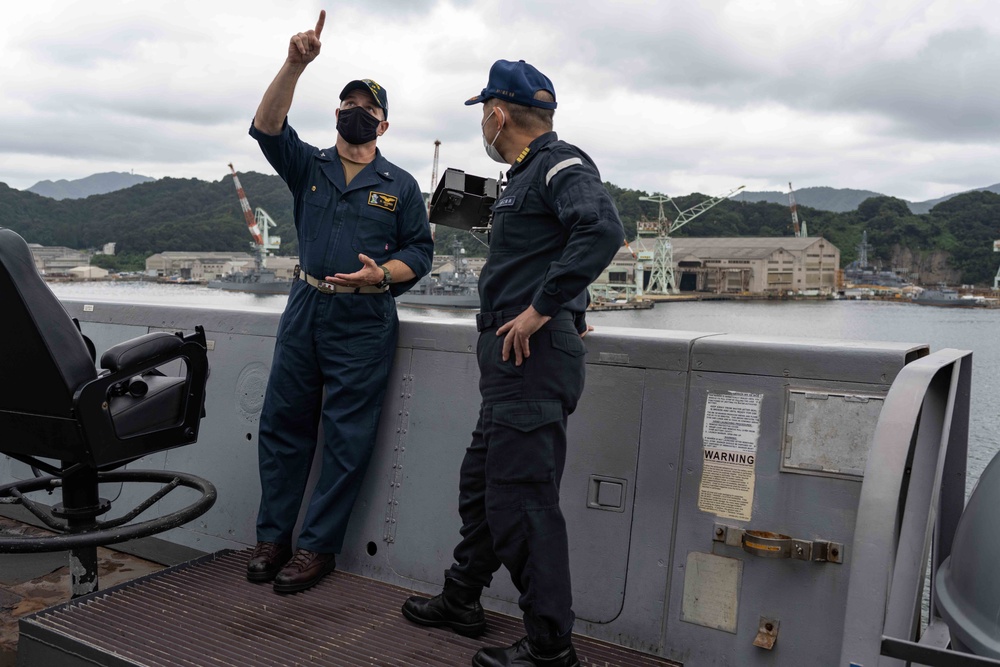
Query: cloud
[671, 96]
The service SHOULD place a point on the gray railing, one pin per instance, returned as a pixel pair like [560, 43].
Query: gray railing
[912, 498]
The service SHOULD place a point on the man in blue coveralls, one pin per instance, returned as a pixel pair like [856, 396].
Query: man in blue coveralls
[337, 336]
[555, 228]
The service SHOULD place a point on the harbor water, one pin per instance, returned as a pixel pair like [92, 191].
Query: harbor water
[970, 329]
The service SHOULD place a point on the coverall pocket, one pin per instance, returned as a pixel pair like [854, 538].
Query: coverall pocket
[369, 329]
[314, 212]
[521, 441]
[375, 233]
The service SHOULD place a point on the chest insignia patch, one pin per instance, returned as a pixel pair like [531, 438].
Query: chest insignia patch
[504, 202]
[382, 200]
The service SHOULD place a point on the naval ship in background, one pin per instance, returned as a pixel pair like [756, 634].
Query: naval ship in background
[452, 284]
[945, 297]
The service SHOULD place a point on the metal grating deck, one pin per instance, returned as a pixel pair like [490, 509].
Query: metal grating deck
[207, 613]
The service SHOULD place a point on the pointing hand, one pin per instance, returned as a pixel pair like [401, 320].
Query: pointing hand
[304, 46]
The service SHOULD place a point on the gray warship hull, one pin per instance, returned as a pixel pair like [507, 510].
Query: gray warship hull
[251, 285]
[464, 301]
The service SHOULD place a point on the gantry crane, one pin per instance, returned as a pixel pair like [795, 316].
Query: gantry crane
[799, 230]
[661, 259]
[258, 222]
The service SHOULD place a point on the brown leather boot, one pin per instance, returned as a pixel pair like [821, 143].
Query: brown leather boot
[266, 560]
[305, 570]
[457, 608]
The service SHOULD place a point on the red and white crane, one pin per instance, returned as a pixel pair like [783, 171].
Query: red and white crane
[247, 213]
[258, 222]
[800, 231]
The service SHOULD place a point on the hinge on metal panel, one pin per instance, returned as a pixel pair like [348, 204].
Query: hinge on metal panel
[399, 449]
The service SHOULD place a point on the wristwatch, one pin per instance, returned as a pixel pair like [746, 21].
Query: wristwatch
[386, 278]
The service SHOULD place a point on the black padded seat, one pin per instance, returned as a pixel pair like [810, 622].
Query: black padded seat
[55, 404]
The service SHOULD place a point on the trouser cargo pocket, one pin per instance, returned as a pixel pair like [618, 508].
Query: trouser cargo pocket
[522, 439]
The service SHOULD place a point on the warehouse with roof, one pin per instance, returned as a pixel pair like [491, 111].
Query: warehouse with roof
[757, 265]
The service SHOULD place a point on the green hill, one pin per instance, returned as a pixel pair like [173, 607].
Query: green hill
[189, 214]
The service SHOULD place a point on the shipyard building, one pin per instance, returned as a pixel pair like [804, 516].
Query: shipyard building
[772, 265]
[212, 265]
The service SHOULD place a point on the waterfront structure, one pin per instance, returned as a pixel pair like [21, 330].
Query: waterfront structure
[88, 273]
[57, 260]
[195, 265]
[740, 265]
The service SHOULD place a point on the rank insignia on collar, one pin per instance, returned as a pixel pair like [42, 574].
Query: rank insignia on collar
[382, 200]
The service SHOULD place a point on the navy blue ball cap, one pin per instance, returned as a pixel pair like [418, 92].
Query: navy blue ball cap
[515, 82]
[377, 91]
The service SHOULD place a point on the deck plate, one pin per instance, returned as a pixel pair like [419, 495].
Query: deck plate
[206, 612]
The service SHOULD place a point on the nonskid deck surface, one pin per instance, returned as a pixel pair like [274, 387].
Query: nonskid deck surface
[207, 613]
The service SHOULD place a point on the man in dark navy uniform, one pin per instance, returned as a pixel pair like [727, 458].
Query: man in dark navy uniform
[363, 239]
[555, 229]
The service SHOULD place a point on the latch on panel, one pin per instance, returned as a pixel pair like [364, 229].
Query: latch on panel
[607, 493]
[765, 544]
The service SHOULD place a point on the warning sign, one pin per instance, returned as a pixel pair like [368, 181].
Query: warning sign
[729, 442]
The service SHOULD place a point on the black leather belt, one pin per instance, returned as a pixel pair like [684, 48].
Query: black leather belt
[330, 288]
[498, 318]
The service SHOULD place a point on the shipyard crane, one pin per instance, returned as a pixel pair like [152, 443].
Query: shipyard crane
[800, 231]
[996, 280]
[434, 180]
[661, 259]
[258, 222]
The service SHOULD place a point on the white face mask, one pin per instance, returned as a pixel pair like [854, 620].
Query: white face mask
[491, 150]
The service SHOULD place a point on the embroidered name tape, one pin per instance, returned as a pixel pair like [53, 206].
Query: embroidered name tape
[382, 200]
[503, 202]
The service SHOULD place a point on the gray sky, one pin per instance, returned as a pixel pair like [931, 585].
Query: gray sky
[670, 96]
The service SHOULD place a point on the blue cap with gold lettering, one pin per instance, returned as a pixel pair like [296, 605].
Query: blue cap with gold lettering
[377, 91]
[516, 82]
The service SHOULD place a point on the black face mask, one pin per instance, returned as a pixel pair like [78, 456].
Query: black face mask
[357, 126]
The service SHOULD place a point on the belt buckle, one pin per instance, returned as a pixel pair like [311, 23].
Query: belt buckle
[325, 287]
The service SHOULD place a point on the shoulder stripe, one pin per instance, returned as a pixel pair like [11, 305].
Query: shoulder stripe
[571, 162]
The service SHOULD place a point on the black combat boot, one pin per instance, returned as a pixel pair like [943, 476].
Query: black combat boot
[524, 654]
[457, 608]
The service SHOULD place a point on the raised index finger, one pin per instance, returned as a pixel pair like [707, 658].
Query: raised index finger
[320, 22]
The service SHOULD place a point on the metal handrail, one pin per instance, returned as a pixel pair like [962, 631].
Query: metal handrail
[911, 500]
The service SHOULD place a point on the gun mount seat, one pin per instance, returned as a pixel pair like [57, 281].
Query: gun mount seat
[61, 415]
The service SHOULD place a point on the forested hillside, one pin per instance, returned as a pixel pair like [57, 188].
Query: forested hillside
[962, 229]
[188, 214]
